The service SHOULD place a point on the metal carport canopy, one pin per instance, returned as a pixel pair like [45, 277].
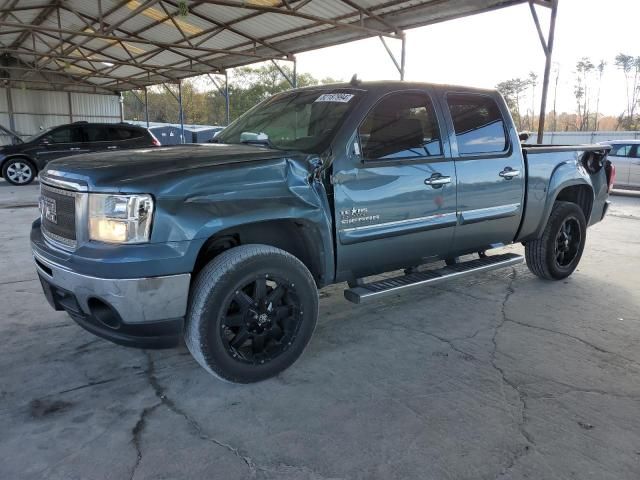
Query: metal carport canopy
[115, 45]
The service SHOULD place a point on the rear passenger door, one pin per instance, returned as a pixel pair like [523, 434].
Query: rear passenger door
[97, 137]
[395, 196]
[490, 170]
[634, 166]
[620, 156]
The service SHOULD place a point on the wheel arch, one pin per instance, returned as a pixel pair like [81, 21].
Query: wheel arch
[567, 183]
[299, 237]
[14, 156]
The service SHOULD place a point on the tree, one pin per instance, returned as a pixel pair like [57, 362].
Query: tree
[533, 81]
[630, 66]
[203, 103]
[555, 97]
[512, 91]
[581, 91]
[600, 69]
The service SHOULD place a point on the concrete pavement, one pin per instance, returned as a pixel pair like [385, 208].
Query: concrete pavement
[497, 376]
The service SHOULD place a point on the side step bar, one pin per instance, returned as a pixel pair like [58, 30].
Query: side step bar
[389, 286]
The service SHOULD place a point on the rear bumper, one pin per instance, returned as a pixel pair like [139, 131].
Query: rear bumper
[137, 312]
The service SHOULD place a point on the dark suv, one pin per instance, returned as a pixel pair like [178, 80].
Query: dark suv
[21, 163]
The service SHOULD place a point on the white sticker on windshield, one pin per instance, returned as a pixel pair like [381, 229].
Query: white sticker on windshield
[335, 97]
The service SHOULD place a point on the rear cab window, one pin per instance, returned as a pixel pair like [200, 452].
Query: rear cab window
[118, 134]
[401, 126]
[620, 150]
[478, 124]
[96, 133]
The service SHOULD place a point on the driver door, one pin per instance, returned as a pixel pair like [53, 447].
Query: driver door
[62, 142]
[395, 197]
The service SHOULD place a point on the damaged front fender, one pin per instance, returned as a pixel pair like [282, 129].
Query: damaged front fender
[223, 199]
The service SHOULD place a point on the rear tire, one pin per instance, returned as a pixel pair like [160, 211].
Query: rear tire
[19, 171]
[556, 254]
[252, 311]
[450, 261]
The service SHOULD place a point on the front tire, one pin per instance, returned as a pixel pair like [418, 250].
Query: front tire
[556, 254]
[252, 312]
[19, 171]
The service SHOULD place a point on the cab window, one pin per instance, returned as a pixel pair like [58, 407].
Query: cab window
[401, 126]
[65, 135]
[620, 150]
[121, 133]
[96, 133]
[478, 124]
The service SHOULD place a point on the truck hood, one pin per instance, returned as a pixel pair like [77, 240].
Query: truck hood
[147, 169]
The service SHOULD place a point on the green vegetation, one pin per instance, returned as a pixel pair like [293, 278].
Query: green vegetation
[587, 78]
[204, 104]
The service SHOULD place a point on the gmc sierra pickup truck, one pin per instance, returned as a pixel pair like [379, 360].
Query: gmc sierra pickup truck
[227, 244]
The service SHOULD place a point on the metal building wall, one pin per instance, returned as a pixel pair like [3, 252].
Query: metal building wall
[34, 110]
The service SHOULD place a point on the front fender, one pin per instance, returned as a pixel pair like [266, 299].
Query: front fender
[543, 190]
[220, 200]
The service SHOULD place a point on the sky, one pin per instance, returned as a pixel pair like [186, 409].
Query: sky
[486, 49]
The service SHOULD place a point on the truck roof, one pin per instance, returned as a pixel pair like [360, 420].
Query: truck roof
[386, 85]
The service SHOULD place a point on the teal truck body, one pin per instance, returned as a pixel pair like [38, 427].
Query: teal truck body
[324, 184]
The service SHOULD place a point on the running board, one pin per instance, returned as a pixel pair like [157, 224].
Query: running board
[381, 288]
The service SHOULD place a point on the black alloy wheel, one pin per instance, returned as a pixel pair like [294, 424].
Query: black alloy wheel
[252, 310]
[568, 241]
[262, 320]
[557, 252]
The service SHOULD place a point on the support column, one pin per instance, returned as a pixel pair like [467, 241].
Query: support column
[121, 99]
[226, 97]
[547, 69]
[12, 120]
[146, 106]
[70, 107]
[403, 56]
[295, 72]
[401, 65]
[181, 111]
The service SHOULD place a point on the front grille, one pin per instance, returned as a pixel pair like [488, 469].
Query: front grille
[63, 230]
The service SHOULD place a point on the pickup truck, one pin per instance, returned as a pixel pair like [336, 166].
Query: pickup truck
[227, 244]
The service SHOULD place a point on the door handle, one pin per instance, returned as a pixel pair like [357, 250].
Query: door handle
[74, 149]
[508, 173]
[437, 180]
[111, 147]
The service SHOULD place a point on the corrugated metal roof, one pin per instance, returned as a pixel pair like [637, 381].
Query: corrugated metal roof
[115, 45]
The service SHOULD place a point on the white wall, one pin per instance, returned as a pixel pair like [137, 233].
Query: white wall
[577, 138]
[34, 110]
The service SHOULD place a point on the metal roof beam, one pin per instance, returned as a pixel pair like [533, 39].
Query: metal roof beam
[133, 36]
[373, 15]
[144, 41]
[149, 68]
[41, 17]
[227, 26]
[298, 14]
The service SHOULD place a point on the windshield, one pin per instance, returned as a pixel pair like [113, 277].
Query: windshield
[39, 134]
[304, 120]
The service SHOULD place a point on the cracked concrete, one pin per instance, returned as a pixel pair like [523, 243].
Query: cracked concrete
[498, 376]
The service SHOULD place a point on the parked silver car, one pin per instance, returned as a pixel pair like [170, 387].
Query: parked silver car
[625, 155]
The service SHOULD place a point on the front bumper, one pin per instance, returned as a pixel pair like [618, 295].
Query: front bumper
[140, 312]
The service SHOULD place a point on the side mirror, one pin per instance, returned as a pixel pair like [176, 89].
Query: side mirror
[45, 141]
[524, 136]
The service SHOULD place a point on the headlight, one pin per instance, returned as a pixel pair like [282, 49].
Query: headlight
[120, 218]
